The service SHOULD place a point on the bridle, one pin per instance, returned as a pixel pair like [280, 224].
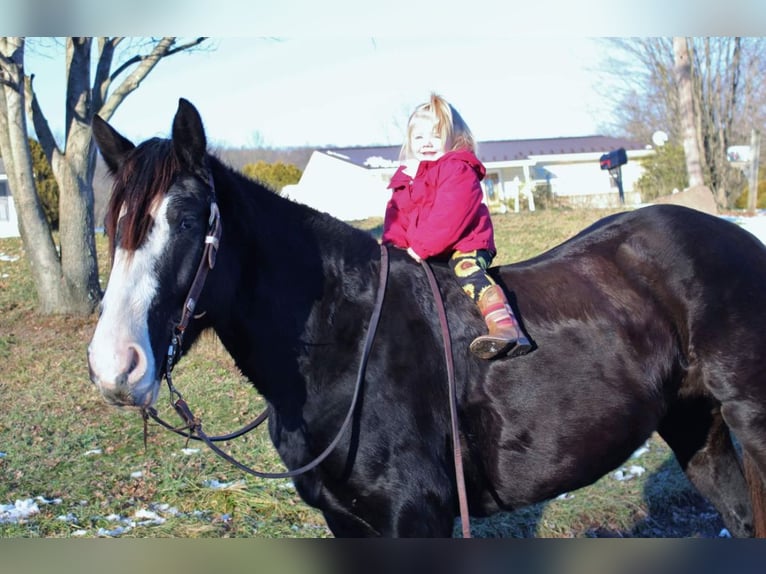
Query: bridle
[192, 427]
[207, 262]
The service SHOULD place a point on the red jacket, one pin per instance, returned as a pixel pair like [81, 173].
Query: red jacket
[440, 210]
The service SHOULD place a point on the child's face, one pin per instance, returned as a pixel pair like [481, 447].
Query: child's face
[425, 142]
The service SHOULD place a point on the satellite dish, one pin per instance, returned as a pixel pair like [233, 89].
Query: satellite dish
[659, 138]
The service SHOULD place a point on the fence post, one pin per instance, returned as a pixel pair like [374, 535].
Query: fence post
[755, 152]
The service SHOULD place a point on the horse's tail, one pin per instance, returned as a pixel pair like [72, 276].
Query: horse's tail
[757, 495]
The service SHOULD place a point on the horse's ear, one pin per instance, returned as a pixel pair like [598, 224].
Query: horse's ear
[189, 140]
[113, 146]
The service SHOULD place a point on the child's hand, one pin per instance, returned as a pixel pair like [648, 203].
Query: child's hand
[415, 256]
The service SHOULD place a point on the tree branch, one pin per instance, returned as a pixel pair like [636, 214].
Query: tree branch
[40, 123]
[145, 64]
[102, 79]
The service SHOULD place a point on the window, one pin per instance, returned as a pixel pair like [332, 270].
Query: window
[491, 187]
[5, 209]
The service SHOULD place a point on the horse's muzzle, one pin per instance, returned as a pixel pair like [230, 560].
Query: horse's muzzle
[121, 395]
[131, 387]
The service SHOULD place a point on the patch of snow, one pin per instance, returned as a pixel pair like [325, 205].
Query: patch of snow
[640, 451]
[755, 224]
[23, 509]
[118, 531]
[10, 258]
[148, 518]
[92, 452]
[636, 470]
[188, 451]
[216, 485]
[155, 515]
[18, 511]
[628, 473]
[142, 517]
[165, 508]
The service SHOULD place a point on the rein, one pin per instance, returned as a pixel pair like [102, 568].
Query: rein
[193, 425]
[456, 450]
[192, 428]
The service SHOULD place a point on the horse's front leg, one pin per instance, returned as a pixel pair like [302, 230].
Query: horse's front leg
[423, 515]
[394, 515]
[343, 524]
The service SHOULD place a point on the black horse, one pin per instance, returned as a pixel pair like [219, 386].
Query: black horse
[651, 320]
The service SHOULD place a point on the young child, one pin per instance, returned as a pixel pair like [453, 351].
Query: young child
[436, 210]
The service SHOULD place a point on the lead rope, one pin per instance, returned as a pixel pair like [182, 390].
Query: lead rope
[456, 450]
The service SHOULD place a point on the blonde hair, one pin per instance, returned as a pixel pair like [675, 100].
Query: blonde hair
[449, 124]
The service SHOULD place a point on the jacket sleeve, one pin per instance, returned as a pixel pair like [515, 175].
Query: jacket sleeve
[396, 221]
[455, 207]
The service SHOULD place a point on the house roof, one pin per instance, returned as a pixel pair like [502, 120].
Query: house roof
[495, 151]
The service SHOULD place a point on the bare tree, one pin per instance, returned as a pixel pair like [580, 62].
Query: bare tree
[727, 98]
[722, 94]
[66, 276]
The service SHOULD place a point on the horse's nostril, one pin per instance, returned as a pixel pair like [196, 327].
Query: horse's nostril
[136, 364]
[133, 359]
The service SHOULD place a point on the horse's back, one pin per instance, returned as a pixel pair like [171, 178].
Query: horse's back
[625, 316]
[692, 265]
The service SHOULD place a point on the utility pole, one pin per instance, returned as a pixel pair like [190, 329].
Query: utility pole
[683, 73]
[755, 152]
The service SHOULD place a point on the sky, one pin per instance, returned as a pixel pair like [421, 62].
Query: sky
[349, 72]
[344, 91]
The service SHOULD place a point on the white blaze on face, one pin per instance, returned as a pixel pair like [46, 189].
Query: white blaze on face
[121, 360]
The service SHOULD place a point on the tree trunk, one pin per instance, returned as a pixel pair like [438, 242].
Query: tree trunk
[14, 148]
[688, 123]
[74, 174]
[66, 282]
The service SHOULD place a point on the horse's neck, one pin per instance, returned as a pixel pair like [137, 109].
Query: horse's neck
[295, 268]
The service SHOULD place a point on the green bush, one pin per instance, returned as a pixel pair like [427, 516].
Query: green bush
[273, 175]
[543, 195]
[741, 202]
[45, 183]
[664, 171]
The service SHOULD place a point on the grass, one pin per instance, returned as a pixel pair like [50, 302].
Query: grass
[88, 463]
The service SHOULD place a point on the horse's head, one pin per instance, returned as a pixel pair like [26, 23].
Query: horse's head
[157, 222]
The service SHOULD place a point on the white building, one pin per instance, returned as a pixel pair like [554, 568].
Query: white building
[9, 222]
[351, 183]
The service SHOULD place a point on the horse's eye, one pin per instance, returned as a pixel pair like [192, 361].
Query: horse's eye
[185, 224]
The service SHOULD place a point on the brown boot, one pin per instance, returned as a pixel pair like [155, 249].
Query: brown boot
[505, 336]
